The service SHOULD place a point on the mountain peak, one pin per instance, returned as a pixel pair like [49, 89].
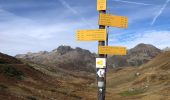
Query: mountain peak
[62, 49]
[142, 53]
[145, 48]
[166, 49]
[142, 45]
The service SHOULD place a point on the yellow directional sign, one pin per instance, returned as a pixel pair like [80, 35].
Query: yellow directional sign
[101, 4]
[114, 21]
[114, 50]
[92, 35]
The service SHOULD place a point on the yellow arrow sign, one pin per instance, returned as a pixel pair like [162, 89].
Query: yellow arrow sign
[113, 50]
[92, 35]
[114, 21]
[101, 4]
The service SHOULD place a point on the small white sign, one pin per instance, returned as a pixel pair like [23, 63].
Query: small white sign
[100, 84]
[101, 72]
[100, 62]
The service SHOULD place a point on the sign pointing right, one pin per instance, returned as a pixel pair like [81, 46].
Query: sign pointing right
[113, 50]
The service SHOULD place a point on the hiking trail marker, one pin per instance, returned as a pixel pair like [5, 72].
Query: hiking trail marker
[101, 72]
[100, 62]
[101, 35]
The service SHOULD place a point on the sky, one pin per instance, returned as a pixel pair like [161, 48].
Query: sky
[43, 25]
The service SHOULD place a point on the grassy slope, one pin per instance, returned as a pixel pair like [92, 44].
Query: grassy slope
[152, 83]
[19, 81]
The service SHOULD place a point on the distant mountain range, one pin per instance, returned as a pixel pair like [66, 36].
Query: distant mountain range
[83, 60]
[63, 57]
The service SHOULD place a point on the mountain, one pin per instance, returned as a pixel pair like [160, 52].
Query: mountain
[30, 81]
[140, 54]
[63, 57]
[166, 49]
[78, 59]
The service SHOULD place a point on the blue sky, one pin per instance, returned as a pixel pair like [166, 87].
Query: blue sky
[38, 25]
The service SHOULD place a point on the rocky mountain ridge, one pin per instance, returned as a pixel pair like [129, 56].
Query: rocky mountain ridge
[64, 57]
[83, 60]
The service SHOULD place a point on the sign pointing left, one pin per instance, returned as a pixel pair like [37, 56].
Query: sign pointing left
[92, 35]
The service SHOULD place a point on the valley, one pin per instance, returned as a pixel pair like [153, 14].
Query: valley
[26, 79]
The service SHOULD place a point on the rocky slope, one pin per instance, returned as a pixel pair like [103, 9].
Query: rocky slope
[79, 59]
[64, 57]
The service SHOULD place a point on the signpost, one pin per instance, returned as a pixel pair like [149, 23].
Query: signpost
[101, 36]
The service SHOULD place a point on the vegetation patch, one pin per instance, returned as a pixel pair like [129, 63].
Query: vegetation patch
[31, 98]
[133, 92]
[11, 72]
[2, 62]
[3, 87]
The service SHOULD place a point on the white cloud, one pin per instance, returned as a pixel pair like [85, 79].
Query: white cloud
[20, 35]
[161, 39]
[31, 33]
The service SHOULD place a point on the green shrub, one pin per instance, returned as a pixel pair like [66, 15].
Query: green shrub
[3, 87]
[31, 98]
[11, 72]
[133, 92]
[2, 62]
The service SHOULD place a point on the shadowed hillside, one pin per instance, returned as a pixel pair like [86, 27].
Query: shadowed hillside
[19, 81]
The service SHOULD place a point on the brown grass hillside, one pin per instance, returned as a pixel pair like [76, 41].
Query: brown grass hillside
[19, 81]
[148, 82]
